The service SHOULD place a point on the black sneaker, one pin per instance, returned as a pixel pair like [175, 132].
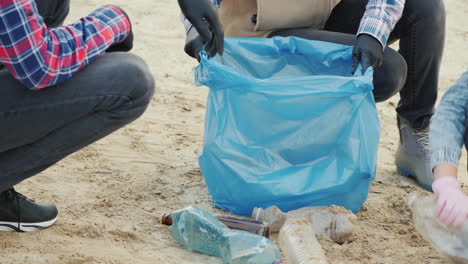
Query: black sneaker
[21, 214]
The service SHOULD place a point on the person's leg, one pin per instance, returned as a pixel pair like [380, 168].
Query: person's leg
[43, 127]
[421, 32]
[388, 79]
[53, 12]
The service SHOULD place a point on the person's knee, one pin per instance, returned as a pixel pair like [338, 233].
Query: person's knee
[53, 12]
[391, 77]
[139, 76]
[135, 79]
[432, 12]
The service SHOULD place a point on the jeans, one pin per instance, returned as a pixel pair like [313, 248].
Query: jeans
[53, 12]
[415, 74]
[39, 128]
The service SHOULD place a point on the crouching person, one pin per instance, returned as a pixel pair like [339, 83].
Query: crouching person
[448, 133]
[61, 89]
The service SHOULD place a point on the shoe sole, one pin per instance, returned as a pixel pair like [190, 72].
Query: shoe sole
[410, 175]
[25, 227]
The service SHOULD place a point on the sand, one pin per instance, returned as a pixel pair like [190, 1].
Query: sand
[112, 193]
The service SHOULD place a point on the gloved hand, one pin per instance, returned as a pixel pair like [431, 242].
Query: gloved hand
[204, 18]
[127, 44]
[368, 51]
[452, 203]
[194, 44]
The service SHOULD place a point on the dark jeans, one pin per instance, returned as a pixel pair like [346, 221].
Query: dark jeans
[37, 129]
[415, 74]
[53, 12]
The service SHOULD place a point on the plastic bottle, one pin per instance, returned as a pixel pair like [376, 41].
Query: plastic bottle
[272, 215]
[450, 241]
[333, 222]
[202, 232]
[252, 226]
[299, 243]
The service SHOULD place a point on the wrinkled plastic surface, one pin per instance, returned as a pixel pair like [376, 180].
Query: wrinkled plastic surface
[450, 241]
[332, 222]
[335, 223]
[271, 215]
[287, 125]
[299, 243]
[204, 233]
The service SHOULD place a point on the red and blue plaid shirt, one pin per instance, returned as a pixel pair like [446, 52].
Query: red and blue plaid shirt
[40, 57]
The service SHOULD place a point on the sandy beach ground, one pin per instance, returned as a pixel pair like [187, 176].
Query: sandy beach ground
[112, 194]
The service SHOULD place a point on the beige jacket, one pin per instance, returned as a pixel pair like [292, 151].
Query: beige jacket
[272, 15]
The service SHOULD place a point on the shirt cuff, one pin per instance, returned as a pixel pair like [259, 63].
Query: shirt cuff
[376, 27]
[118, 26]
[445, 155]
[127, 22]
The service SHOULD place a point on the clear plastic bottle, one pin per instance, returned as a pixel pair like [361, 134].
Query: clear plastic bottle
[272, 215]
[299, 243]
[450, 241]
[202, 232]
[333, 222]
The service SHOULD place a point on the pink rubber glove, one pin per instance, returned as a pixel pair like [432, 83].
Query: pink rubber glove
[452, 203]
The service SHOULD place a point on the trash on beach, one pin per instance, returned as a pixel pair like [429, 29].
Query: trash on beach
[333, 222]
[243, 224]
[299, 243]
[201, 232]
[450, 241]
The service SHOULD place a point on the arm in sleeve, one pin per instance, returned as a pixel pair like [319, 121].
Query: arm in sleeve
[380, 18]
[40, 57]
[448, 125]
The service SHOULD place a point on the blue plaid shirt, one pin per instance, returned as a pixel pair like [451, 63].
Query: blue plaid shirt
[379, 20]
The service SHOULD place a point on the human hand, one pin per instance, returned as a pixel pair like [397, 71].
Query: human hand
[452, 203]
[368, 51]
[194, 44]
[209, 31]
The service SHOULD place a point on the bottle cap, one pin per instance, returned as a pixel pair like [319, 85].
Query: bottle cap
[166, 220]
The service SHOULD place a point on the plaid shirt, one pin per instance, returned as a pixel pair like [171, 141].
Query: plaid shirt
[379, 20]
[40, 57]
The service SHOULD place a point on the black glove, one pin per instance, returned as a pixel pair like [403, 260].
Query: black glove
[368, 51]
[194, 44]
[204, 18]
[127, 44]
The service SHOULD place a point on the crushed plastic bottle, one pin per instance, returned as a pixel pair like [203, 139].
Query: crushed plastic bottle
[449, 241]
[334, 222]
[299, 243]
[204, 233]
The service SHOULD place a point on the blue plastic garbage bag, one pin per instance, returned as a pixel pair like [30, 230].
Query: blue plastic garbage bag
[287, 124]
